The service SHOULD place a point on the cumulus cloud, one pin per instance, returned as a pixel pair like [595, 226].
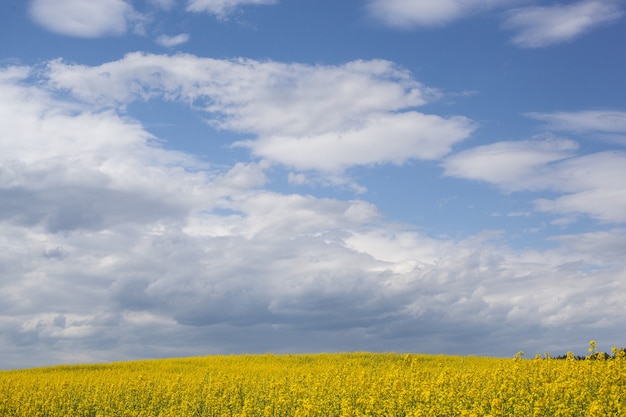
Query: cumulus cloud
[324, 118]
[248, 95]
[405, 14]
[140, 251]
[410, 135]
[84, 18]
[540, 26]
[326, 286]
[221, 8]
[171, 41]
[54, 154]
[594, 177]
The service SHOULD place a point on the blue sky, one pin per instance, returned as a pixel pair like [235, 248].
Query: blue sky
[224, 176]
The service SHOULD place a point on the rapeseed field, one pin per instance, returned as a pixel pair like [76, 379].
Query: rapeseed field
[342, 384]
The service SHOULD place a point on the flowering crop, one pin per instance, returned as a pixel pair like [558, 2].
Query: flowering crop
[345, 384]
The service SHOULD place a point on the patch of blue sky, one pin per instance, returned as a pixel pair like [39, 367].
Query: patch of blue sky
[177, 127]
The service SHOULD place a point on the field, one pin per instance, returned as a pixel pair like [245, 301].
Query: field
[343, 384]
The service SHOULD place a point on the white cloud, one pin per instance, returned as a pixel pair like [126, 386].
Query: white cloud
[324, 118]
[605, 124]
[407, 14]
[541, 26]
[54, 153]
[297, 179]
[513, 166]
[591, 184]
[115, 248]
[389, 138]
[604, 204]
[251, 96]
[594, 185]
[84, 18]
[171, 41]
[536, 26]
[589, 120]
[221, 8]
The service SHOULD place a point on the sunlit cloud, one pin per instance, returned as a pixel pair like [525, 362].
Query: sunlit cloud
[324, 118]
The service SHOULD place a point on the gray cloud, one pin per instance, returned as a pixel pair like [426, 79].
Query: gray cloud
[68, 209]
[181, 295]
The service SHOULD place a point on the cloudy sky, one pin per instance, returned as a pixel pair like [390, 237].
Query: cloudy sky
[191, 177]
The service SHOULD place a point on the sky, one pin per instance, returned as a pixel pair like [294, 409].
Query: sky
[196, 177]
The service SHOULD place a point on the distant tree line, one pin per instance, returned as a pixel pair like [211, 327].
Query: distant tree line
[616, 353]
